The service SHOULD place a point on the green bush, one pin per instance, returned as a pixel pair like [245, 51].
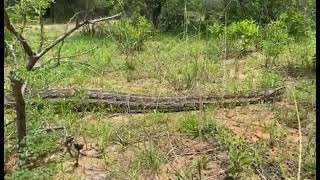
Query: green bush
[243, 33]
[275, 40]
[131, 34]
[216, 29]
[296, 24]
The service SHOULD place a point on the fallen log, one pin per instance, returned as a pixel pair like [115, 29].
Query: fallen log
[117, 102]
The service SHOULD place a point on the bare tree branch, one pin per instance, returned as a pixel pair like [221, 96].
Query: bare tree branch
[45, 50]
[22, 40]
[74, 55]
[34, 57]
[65, 31]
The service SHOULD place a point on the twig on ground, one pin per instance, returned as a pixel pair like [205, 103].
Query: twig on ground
[196, 153]
[53, 129]
[122, 141]
[300, 137]
[98, 156]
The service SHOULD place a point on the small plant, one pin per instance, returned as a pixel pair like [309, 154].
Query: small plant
[215, 45]
[277, 134]
[36, 173]
[287, 116]
[101, 130]
[192, 125]
[130, 68]
[214, 50]
[309, 153]
[184, 77]
[189, 125]
[303, 56]
[150, 159]
[194, 169]
[241, 157]
[269, 79]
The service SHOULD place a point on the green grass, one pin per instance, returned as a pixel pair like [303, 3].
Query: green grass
[167, 66]
[44, 172]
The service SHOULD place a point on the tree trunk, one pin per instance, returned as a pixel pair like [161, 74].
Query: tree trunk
[41, 32]
[19, 107]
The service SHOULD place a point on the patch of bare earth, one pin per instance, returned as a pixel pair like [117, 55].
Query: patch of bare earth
[10, 163]
[115, 120]
[115, 161]
[249, 122]
[183, 153]
[91, 165]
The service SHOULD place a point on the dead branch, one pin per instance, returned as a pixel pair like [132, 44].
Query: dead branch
[98, 156]
[53, 129]
[65, 31]
[22, 40]
[74, 55]
[208, 151]
[34, 57]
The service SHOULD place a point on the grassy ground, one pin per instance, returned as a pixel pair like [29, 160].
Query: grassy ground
[250, 142]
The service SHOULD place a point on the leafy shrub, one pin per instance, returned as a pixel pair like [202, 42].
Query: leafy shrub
[131, 34]
[216, 29]
[243, 33]
[296, 24]
[275, 40]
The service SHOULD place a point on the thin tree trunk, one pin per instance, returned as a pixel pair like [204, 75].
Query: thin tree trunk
[19, 107]
[41, 32]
